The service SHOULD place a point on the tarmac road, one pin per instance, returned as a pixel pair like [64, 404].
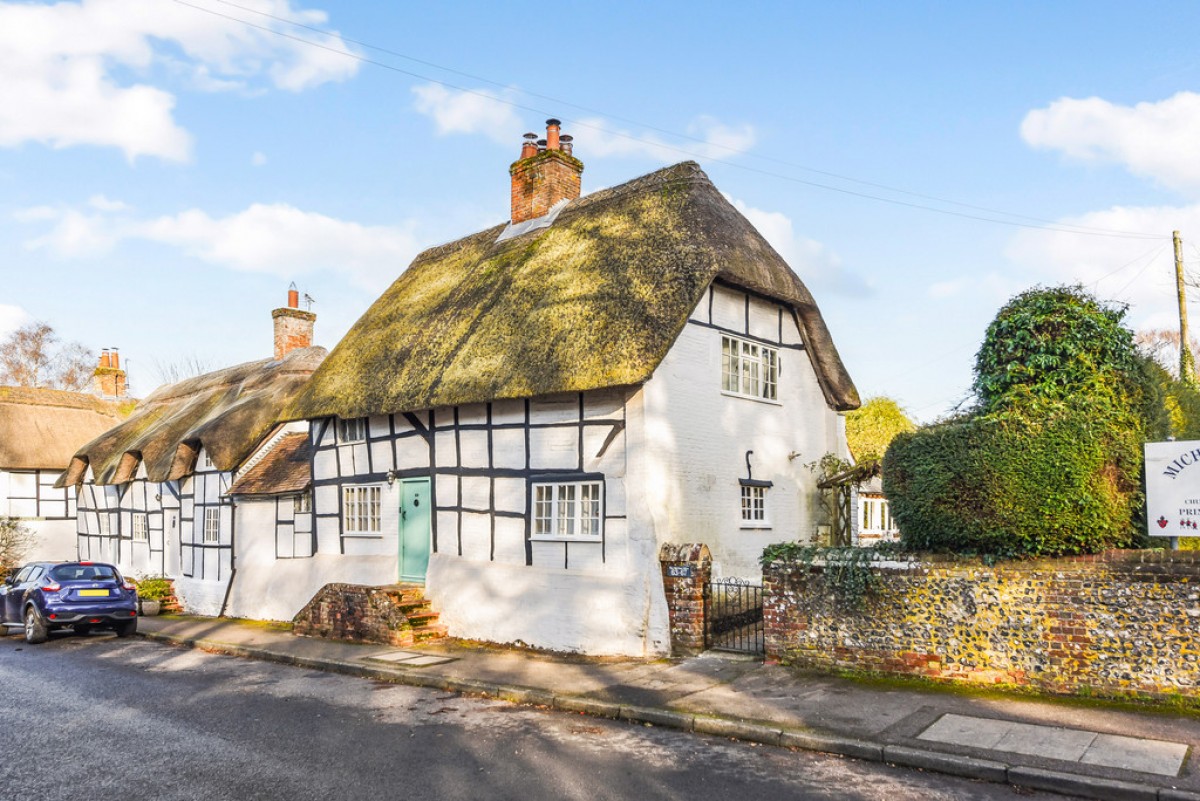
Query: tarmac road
[96, 717]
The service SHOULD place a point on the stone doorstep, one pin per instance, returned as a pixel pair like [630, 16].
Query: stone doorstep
[1159, 757]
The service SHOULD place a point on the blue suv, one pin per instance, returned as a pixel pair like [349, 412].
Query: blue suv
[43, 596]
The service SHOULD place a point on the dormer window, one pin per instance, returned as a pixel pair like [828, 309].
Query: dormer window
[749, 369]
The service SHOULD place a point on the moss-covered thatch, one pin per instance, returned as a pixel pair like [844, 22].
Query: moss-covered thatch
[594, 300]
[227, 413]
[41, 428]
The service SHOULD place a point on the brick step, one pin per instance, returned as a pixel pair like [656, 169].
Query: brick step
[420, 619]
[426, 633]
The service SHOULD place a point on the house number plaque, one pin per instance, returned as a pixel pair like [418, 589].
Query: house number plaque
[679, 571]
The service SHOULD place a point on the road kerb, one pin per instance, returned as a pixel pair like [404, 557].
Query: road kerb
[724, 727]
[955, 765]
[1075, 784]
[658, 717]
[832, 744]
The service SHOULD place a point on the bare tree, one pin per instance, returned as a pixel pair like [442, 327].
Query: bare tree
[1162, 345]
[185, 367]
[32, 357]
[15, 542]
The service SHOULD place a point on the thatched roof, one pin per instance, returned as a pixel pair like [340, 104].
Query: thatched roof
[594, 300]
[227, 413]
[41, 428]
[284, 469]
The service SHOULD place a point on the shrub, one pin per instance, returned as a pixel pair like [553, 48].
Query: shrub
[154, 589]
[15, 542]
[1049, 460]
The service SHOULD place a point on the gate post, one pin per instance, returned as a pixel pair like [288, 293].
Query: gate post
[686, 570]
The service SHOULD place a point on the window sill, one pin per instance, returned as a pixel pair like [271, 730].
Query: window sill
[596, 540]
[362, 535]
[755, 526]
[755, 398]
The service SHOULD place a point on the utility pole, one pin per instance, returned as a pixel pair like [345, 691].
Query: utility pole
[1187, 362]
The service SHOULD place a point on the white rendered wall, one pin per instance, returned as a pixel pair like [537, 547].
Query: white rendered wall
[693, 438]
[269, 588]
[616, 612]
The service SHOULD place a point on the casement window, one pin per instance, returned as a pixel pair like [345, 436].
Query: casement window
[360, 509]
[212, 524]
[302, 503]
[749, 369]
[875, 516]
[353, 430]
[141, 532]
[208, 462]
[754, 505]
[568, 511]
[104, 524]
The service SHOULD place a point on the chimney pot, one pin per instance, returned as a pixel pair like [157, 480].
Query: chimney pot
[529, 146]
[105, 359]
[293, 325]
[553, 176]
[116, 359]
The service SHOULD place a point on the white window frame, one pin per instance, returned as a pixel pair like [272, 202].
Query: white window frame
[749, 369]
[362, 507]
[353, 429]
[212, 525]
[875, 516]
[208, 462]
[754, 506]
[103, 524]
[139, 527]
[302, 503]
[567, 511]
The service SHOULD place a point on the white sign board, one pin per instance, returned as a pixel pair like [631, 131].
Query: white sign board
[1173, 488]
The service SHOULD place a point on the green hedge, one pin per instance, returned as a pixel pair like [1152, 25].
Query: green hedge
[1061, 482]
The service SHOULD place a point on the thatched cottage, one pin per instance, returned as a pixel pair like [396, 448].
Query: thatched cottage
[153, 492]
[39, 430]
[528, 413]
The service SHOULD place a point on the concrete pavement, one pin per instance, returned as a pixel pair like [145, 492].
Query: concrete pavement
[1092, 750]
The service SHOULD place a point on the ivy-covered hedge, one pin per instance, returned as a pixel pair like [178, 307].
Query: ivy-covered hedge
[1061, 484]
[1048, 461]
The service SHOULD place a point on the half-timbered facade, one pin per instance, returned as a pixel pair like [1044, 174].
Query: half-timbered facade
[154, 492]
[39, 430]
[526, 414]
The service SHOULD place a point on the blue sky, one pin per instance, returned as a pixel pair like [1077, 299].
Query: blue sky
[166, 171]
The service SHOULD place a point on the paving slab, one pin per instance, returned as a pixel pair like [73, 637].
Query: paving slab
[966, 730]
[1130, 753]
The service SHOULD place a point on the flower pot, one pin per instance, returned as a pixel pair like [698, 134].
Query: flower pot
[150, 607]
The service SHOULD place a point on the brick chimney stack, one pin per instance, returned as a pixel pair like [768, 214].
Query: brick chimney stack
[293, 325]
[545, 173]
[108, 379]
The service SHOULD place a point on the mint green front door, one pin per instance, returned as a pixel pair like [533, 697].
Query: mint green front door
[415, 511]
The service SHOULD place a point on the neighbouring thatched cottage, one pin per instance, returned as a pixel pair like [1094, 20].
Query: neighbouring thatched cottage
[39, 430]
[153, 492]
[527, 413]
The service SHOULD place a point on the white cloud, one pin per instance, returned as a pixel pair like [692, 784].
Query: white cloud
[1152, 140]
[258, 159]
[493, 115]
[458, 112]
[1135, 271]
[717, 141]
[64, 68]
[12, 318]
[277, 239]
[812, 261]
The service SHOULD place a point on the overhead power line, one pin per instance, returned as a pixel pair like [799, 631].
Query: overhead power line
[1018, 220]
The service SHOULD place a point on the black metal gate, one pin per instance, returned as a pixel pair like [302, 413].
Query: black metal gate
[733, 616]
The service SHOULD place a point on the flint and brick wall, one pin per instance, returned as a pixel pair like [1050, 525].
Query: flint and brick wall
[1119, 623]
[686, 570]
[355, 612]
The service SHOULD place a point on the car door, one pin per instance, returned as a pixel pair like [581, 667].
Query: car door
[12, 595]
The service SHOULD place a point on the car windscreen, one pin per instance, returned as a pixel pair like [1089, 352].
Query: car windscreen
[83, 573]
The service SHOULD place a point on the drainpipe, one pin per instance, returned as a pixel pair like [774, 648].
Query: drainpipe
[232, 554]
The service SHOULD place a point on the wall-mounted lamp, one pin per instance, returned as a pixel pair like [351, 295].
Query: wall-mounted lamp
[391, 477]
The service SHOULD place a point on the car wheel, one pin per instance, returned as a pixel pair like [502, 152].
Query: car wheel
[125, 628]
[35, 627]
[82, 629]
